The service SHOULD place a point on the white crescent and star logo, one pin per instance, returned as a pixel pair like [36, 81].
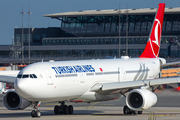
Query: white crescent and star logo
[153, 45]
[155, 38]
[158, 26]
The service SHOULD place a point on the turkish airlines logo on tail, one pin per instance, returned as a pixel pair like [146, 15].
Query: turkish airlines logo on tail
[155, 37]
[153, 45]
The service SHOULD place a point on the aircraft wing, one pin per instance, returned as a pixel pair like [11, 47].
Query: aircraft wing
[123, 87]
[8, 76]
[171, 63]
[7, 79]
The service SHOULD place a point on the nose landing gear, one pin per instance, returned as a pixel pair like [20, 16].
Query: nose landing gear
[35, 112]
[63, 109]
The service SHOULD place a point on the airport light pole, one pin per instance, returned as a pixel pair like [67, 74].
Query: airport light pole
[22, 36]
[119, 34]
[127, 30]
[29, 30]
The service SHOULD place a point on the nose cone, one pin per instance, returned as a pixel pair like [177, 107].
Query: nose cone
[21, 87]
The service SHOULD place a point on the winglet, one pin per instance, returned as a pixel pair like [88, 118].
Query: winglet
[153, 45]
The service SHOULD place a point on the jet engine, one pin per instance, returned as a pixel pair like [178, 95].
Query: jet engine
[140, 99]
[12, 101]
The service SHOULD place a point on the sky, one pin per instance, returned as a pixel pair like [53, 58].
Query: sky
[11, 18]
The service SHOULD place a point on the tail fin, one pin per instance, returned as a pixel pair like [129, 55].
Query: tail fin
[153, 45]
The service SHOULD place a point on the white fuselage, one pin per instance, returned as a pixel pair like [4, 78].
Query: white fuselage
[72, 80]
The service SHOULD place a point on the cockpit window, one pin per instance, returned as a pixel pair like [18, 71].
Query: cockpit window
[31, 76]
[19, 76]
[25, 76]
[34, 76]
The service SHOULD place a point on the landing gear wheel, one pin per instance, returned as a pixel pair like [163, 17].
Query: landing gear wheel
[56, 110]
[71, 110]
[126, 110]
[139, 112]
[61, 110]
[33, 113]
[133, 112]
[65, 109]
[38, 114]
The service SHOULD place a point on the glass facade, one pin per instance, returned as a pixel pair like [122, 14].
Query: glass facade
[94, 40]
[36, 35]
[93, 25]
[18, 38]
[83, 53]
[101, 31]
[104, 40]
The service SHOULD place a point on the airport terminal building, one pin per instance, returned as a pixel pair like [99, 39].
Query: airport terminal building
[95, 34]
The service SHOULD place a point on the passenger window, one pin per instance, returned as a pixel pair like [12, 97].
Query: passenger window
[31, 76]
[19, 76]
[34, 76]
[25, 76]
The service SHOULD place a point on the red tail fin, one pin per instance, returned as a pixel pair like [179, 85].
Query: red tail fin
[153, 45]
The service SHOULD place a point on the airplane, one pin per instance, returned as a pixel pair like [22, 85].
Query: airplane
[92, 80]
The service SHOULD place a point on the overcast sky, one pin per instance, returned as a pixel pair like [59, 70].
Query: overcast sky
[10, 16]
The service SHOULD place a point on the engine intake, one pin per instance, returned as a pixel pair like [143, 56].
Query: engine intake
[12, 101]
[140, 99]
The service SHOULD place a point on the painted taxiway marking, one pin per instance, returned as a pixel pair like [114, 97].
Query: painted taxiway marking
[107, 104]
[89, 107]
[160, 115]
[133, 115]
[85, 108]
[169, 111]
[93, 104]
[49, 108]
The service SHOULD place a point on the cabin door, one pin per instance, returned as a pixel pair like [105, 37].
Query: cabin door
[48, 76]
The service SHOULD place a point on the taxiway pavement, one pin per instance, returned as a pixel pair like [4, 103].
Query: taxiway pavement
[167, 107]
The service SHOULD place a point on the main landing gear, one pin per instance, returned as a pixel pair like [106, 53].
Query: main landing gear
[128, 111]
[63, 109]
[35, 112]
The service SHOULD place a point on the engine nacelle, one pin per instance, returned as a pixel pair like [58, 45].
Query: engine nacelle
[140, 99]
[12, 101]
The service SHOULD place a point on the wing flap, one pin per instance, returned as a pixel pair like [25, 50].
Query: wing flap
[164, 81]
[122, 85]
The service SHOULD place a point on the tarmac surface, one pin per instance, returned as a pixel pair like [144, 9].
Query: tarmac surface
[167, 108]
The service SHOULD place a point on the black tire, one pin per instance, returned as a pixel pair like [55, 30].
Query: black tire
[126, 110]
[65, 109]
[33, 113]
[38, 114]
[71, 110]
[61, 110]
[134, 112]
[56, 110]
[139, 112]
